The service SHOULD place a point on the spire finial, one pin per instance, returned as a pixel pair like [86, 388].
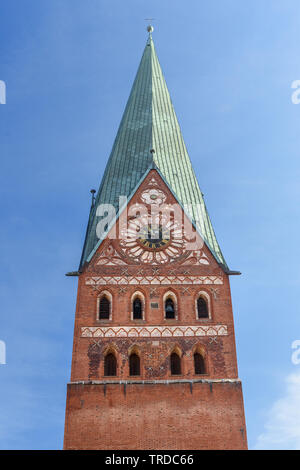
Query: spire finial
[152, 151]
[150, 29]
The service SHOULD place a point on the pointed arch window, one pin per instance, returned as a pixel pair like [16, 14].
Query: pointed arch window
[134, 364]
[169, 308]
[137, 309]
[110, 365]
[202, 308]
[104, 308]
[175, 364]
[199, 364]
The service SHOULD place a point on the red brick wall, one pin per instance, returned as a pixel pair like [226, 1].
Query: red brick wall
[154, 416]
[220, 352]
[173, 416]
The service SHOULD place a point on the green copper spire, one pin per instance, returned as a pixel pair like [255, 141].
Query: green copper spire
[149, 122]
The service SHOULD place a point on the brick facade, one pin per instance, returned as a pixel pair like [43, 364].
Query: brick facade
[155, 410]
[156, 416]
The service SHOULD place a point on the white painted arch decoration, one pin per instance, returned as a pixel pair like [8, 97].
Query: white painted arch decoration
[153, 331]
[158, 280]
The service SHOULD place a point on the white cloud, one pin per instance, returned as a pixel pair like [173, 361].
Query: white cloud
[282, 428]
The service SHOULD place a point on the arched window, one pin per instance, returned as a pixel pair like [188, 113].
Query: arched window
[175, 364]
[202, 308]
[137, 309]
[199, 364]
[110, 365]
[104, 308]
[134, 364]
[169, 308]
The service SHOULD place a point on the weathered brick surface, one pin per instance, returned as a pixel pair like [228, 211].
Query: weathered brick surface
[154, 416]
[174, 416]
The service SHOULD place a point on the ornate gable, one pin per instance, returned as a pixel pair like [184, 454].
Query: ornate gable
[153, 231]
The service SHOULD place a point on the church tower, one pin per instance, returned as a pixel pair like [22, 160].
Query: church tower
[154, 359]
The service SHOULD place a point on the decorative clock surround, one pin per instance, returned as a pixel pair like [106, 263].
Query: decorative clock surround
[153, 237]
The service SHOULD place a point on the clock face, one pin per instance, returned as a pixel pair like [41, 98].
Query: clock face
[154, 236]
[152, 240]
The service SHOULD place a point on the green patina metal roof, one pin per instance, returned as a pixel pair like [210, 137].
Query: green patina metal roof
[149, 122]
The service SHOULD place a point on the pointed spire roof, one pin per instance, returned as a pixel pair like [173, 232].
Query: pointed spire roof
[149, 123]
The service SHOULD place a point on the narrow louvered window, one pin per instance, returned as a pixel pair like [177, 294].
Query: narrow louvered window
[199, 364]
[110, 365]
[175, 364]
[104, 307]
[169, 309]
[202, 308]
[137, 309]
[134, 365]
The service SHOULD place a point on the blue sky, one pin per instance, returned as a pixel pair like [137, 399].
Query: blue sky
[68, 67]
